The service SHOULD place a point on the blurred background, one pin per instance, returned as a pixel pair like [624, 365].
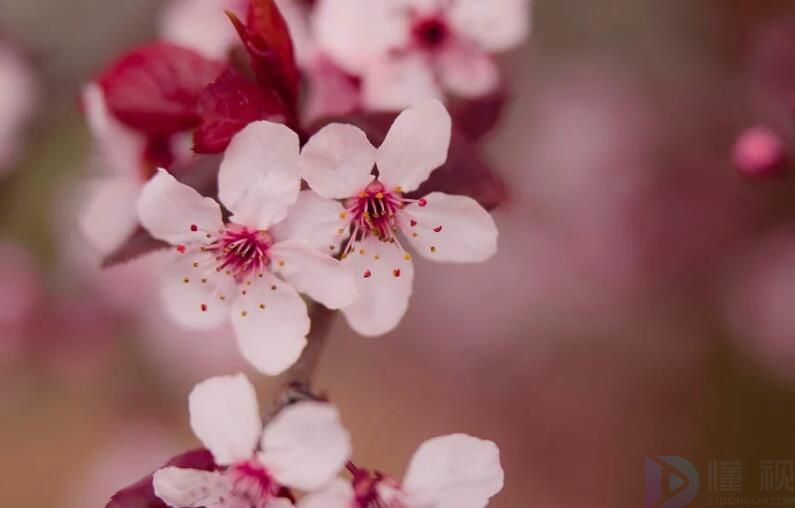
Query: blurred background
[642, 302]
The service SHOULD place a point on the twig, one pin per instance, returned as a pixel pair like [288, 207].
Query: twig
[297, 385]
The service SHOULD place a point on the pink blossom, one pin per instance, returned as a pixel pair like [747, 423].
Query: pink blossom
[455, 471]
[109, 216]
[409, 50]
[18, 96]
[302, 447]
[229, 271]
[338, 162]
[202, 25]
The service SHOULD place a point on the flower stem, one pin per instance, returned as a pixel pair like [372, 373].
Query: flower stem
[297, 385]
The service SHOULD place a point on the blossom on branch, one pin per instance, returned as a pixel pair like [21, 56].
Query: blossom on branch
[278, 242]
[409, 50]
[454, 471]
[338, 163]
[302, 447]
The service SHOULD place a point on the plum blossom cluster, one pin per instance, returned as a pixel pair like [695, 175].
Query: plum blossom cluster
[279, 241]
[382, 56]
[203, 148]
[305, 448]
[18, 97]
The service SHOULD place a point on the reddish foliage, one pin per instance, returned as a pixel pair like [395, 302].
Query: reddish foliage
[228, 105]
[267, 40]
[142, 494]
[155, 88]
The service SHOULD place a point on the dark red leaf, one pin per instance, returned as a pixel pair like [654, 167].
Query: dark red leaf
[155, 88]
[465, 173]
[228, 105]
[142, 494]
[267, 40]
[477, 117]
[202, 174]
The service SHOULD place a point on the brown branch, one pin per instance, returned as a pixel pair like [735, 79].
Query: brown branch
[297, 384]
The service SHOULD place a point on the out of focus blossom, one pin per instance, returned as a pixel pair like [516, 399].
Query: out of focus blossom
[20, 293]
[338, 162]
[302, 447]
[455, 471]
[408, 50]
[228, 272]
[18, 97]
[202, 25]
[108, 216]
[757, 303]
[759, 151]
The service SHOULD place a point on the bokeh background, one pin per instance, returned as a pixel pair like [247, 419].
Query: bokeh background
[642, 302]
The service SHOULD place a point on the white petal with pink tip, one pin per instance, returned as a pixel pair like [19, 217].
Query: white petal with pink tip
[313, 220]
[259, 177]
[384, 275]
[455, 471]
[416, 144]
[337, 161]
[271, 323]
[109, 216]
[337, 494]
[453, 229]
[168, 209]
[194, 296]
[224, 415]
[318, 275]
[305, 445]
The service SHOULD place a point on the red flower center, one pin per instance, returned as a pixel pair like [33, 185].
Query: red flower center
[252, 483]
[366, 489]
[240, 252]
[430, 33]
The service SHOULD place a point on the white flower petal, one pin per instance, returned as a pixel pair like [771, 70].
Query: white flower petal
[195, 297]
[416, 144]
[259, 177]
[224, 415]
[201, 25]
[455, 471]
[271, 324]
[356, 33]
[397, 82]
[120, 148]
[468, 73]
[453, 229]
[320, 276]
[496, 25]
[383, 297]
[337, 494]
[110, 216]
[337, 161]
[189, 488]
[313, 220]
[278, 502]
[305, 445]
[168, 209]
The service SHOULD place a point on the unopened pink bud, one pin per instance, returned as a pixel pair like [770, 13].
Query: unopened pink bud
[759, 152]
